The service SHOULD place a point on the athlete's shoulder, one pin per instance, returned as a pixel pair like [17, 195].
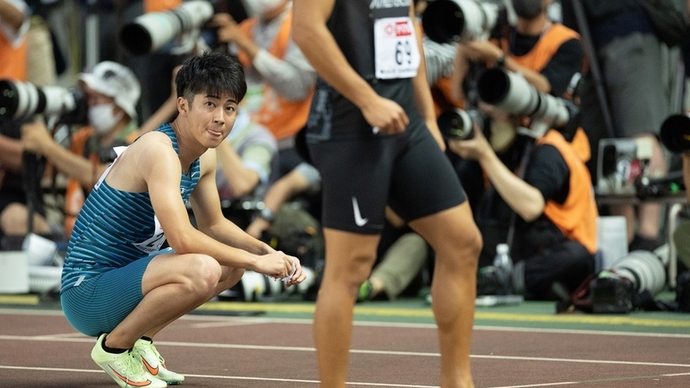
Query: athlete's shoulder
[152, 139]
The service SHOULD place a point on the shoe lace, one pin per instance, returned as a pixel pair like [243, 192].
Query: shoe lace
[158, 355]
[129, 366]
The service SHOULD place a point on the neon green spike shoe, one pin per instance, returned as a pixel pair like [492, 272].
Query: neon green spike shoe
[125, 368]
[154, 363]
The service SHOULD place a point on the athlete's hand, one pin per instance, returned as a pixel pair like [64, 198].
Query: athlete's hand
[386, 115]
[278, 265]
[298, 276]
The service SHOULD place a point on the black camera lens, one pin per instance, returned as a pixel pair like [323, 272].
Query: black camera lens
[458, 124]
[9, 98]
[675, 133]
[18, 99]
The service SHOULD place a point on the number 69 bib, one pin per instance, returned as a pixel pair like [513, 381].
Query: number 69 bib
[395, 45]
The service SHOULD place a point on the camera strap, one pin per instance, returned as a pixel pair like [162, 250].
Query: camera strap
[529, 146]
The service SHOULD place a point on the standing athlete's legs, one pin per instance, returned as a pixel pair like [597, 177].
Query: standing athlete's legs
[349, 259]
[457, 242]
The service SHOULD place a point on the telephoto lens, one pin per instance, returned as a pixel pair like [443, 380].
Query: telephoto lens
[151, 31]
[446, 21]
[24, 100]
[510, 92]
[675, 133]
[459, 124]
[644, 269]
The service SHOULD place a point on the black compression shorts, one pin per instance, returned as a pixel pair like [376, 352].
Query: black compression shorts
[360, 176]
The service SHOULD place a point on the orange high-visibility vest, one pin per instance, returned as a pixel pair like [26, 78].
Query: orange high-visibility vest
[282, 117]
[160, 5]
[577, 216]
[74, 192]
[12, 59]
[552, 39]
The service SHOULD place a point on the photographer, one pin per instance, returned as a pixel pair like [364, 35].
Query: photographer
[280, 80]
[546, 53]
[14, 25]
[555, 212]
[112, 92]
[247, 165]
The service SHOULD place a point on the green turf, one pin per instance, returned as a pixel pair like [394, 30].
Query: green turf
[530, 314]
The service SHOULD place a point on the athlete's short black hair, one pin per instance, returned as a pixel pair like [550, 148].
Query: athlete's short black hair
[213, 73]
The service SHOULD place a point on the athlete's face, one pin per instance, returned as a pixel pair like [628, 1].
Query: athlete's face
[211, 117]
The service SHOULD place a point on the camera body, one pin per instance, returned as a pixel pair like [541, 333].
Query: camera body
[20, 100]
[446, 21]
[458, 124]
[151, 31]
[512, 93]
[675, 133]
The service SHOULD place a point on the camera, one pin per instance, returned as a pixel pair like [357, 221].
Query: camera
[510, 92]
[446, 21]
[675, 133]
[151, 31]
[458, 124]
[645, 269]
[23, 100]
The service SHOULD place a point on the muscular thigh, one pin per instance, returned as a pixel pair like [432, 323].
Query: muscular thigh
[100, 303]
[423, 179]
[355, 177]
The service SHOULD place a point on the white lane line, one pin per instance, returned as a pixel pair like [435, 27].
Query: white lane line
[353, 351]
[246, 378]
[370, 384]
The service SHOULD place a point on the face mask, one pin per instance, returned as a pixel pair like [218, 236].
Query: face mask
[263, 6]
[527, 9]
[102, 119]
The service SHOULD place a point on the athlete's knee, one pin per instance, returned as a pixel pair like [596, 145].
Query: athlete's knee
[463, 250]
[361, 264]
[473, 242]
[353, 268]
[203, 273]
[230, 276]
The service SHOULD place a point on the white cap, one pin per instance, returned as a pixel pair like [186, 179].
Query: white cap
[115, 80]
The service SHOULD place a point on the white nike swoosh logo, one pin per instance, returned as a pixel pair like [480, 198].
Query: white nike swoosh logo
[358, 217]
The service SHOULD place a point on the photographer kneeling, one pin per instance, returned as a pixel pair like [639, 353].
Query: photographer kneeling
[547, 186]
[112, 92]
